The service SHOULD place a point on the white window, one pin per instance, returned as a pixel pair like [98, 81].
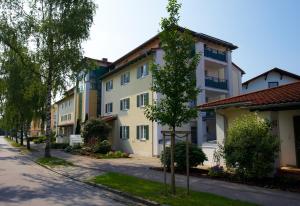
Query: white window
[109, 85]
[142, 132]
[69, 116]
[142, 71]
[142, 100]
[272, 84]
[125, 78]
[124, 104]
[124, 132]
[109, 107]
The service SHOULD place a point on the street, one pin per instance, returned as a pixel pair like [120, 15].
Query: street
[23, 182]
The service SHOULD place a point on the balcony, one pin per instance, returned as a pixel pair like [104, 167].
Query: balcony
[215, 82]
[215, 54]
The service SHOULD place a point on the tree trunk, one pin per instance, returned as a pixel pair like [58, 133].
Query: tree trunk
[26, 134]
[48, 118]
[49, 85]
[22, 130]
[173, 189]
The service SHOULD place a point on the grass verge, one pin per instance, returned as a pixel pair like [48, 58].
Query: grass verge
[154, 191]
[53, 161]
[23, 148]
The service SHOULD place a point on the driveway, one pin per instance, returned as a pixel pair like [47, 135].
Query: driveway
[22, 182]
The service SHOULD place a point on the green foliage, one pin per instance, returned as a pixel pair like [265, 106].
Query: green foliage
[59, 145]
[53, 161]
[196, 156]
[216, 171]
[113, 155]
[250, 148]
[176, 80]
[95, 130]
[155, 191]
[103, 147]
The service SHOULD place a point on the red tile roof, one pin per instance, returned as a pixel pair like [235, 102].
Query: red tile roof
[108, 118]
[289, 93]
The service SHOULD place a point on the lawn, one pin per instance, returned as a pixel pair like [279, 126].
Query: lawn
[155, 191]
[53, 161]
[12, 142]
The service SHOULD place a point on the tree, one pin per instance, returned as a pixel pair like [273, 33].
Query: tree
[56, 30]
[250, 148]
[95, 130]
[176, 80]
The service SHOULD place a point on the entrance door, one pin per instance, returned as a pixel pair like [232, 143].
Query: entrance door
[297, 138]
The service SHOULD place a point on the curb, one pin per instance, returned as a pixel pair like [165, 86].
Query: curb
[118, 192]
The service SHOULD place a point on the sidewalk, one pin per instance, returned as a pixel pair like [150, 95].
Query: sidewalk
[139, 167]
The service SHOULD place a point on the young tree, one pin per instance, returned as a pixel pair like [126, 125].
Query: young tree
[56, 30]
[176, 80]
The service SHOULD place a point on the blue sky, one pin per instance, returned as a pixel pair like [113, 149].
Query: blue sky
[267, 32]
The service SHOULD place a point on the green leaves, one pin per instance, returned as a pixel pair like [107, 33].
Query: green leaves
[176, 80]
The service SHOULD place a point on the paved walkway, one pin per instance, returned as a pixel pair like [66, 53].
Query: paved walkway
[22, 182]
[139, 167]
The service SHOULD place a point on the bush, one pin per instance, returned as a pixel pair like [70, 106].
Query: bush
[216, 171]
[95, 131]
[59, 145]
[250, 149]
[68, 149]
[42, 139]
[196, 156]
[103, 147]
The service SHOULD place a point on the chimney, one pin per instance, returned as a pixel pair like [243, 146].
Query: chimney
[104, 59]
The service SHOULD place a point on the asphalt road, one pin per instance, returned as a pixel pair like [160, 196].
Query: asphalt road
[22, 182]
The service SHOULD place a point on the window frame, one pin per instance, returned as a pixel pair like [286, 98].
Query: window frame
[144, 71]
[125, 101]
[141, 103]
[107, 108]
[124, 132]
[123, 78]
[140, 129]
[272, 83]
[109, 85]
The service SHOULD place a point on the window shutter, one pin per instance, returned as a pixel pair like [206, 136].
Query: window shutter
[128, 103]
[128, 77]
[137, 132]
[106, 86]
[138, 100]
[121, 128]
[127, 132]
[122, 79]
[138, 72]
[111, 84]
[105, 108]
[146, 132]
[121, 105]
[111, 107]
[146, 99]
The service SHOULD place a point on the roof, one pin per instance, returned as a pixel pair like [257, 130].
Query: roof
[108, 118]
[66, 95]
[277, 96]
[239, 68]
[280, 71]
[199, 35]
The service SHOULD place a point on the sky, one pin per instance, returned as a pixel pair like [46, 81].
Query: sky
[267, 32]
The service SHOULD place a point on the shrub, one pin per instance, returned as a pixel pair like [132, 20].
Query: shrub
[250, 149]
[59, 145]
[216, 171]
[196, 156]
[103, 147]
[68, 149]
[94, 131]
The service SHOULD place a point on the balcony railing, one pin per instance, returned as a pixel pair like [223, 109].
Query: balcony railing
[215, 82]
[215, 54]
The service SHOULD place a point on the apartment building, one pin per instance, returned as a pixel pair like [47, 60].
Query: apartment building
[66, 115]
[126, 90]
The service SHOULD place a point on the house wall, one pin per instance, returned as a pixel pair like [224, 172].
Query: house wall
[134, 116]
[287, 137]
[236, 81]
[261, 83]
[287, 155]
[66, 107]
